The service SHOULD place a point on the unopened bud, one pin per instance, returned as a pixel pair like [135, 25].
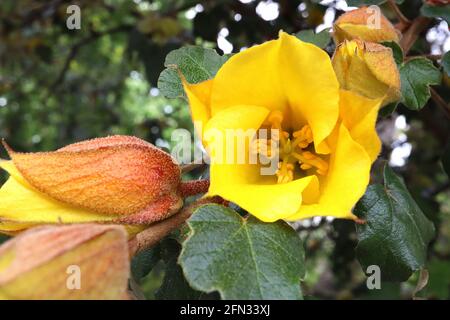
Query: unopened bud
[365, 23]
[368, 69]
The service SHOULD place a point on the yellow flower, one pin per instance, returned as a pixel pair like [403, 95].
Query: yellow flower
[66, 262]
[117, 179]
[368, 69]
[327, 139]
[365, 23]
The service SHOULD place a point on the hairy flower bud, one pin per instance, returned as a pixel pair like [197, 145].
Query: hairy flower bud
[368, 69]
[118, 179]
[365, 23]
[83, 261]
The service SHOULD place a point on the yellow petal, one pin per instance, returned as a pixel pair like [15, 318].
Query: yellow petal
[250, 77]
[243, 183]
[268, 203]
[220, 130]
[199, 96]
[347, 179]
[285, 74]
[311, 87]
[13, 228]
[359, 115]
[22, 205]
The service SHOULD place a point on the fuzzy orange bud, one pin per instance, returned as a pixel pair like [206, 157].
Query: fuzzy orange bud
[365, 23]
[85, 261]
[368, 69]
[119, 179]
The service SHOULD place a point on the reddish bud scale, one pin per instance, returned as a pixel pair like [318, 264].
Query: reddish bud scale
[117, 175]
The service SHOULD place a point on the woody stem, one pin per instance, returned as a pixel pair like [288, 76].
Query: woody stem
[155, 232]
[401, 17]
[413, 32]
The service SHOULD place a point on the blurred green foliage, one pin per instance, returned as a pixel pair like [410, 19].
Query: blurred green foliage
[59, 86]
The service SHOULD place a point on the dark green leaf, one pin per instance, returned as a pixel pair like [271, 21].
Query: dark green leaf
[174, 286]
[446, 63]
[439, 282]
[143, 263]
[397, 51]
[387, 110]
[3, 238]
[397, 233]
[416, 76]
[320, 39]
[431, 11]
[242, 258]
[195, 63]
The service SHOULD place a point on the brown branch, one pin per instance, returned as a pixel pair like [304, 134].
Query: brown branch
[413, 32]
[401, 17]
[428, 56]
[440, 102]
[155, 232]
[185, 168]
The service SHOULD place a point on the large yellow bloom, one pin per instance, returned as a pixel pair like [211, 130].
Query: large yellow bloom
[327, 142]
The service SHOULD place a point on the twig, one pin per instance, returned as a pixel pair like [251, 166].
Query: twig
[155, 232]
[440, 102]
[401, 17]
[413, 32]
[185, 168]
[428, 56]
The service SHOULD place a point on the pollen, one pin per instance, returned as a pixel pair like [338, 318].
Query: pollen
[294, 149]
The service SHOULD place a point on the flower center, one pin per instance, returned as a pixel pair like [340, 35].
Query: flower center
[293, 149]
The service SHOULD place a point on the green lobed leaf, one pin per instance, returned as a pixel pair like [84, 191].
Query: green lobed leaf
[197, 64]
[434, 11]
[416, 77]
[396, 234]
[242, 258]
[446, 63]
[320, 39]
